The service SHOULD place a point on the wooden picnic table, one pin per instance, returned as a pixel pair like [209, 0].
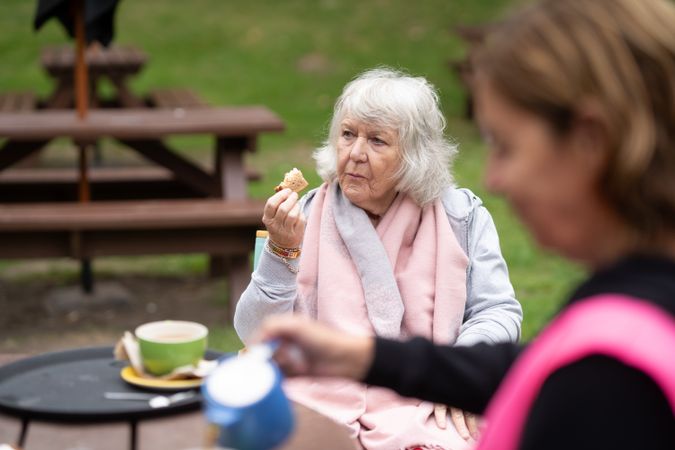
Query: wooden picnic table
[235, 130]
[117, 64]
[177, 432]
[94, 228]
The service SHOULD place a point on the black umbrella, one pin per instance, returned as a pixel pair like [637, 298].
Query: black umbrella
[85, 20]
[99, 17]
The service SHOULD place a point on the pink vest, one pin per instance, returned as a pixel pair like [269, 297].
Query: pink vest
[634, 332]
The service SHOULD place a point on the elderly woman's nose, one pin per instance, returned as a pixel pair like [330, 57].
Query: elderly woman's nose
[358, 150]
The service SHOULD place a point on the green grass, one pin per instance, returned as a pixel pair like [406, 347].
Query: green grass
[294, 56]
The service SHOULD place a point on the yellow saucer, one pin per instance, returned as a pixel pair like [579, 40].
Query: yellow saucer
[129, 375]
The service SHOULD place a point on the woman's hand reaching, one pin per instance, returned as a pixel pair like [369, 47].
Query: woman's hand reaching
[284, 220]
[310, 348]
[465, 423]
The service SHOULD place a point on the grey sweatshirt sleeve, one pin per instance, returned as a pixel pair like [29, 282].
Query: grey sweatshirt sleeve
[272, 290]
[492, 313]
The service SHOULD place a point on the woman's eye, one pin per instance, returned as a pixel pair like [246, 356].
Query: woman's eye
[347, 134]
[377, 141]
[500, 150]
[497, 146]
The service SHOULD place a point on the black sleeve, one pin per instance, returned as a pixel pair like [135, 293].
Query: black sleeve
[465, 377]
[597, 403]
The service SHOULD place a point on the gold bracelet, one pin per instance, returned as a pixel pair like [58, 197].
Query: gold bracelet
[269, 250]
[282, 252]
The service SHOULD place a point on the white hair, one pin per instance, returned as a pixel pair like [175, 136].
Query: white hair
[409, 105]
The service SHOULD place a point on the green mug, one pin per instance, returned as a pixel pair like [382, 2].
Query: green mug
[169, 344]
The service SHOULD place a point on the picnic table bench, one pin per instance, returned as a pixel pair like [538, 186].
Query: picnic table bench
[220, 222]
[135, 227]
[115, 63]
[59, 184]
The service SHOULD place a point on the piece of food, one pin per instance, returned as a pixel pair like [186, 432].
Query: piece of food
[292, 180]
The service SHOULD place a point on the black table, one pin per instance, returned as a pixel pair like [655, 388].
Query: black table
[68, 386]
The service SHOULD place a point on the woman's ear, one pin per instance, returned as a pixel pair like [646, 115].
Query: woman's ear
[589, 138]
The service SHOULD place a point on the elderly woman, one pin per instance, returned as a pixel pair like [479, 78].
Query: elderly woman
[577, 100]
[389, 248]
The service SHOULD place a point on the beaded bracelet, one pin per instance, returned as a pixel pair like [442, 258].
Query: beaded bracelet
[283, 259]
[282, 252]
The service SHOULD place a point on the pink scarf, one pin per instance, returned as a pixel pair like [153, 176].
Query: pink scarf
[406, 277]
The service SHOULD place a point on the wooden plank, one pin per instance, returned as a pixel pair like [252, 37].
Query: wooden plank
[139, 123]
[67, 175]
[59, 185]
[139, 189]
[59, 60]
[142, 214]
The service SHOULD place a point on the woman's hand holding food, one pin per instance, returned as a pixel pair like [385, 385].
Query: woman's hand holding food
[284, 220]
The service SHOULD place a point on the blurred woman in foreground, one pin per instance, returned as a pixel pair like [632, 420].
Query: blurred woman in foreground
[576, 99]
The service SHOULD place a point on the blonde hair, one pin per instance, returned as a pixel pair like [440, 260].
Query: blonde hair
[393, 99]
[619, 57]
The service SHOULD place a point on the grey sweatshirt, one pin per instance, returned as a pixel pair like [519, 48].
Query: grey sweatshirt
[492, 313]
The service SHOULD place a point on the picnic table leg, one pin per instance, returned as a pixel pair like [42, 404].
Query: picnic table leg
[84, 195]
[239, 274]
[229, 166]
[231, 178]
[25, 422]
[133, 434]
[217, 266]
[86, 276]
